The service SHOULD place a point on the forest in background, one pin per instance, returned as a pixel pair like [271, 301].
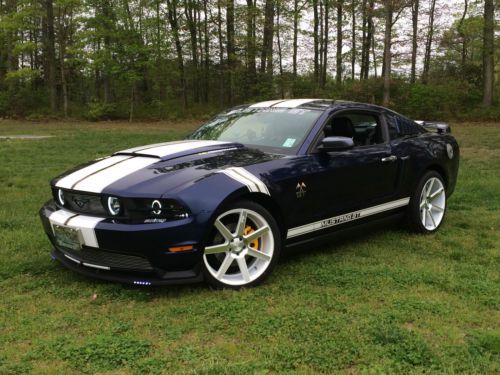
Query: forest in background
[170, 59]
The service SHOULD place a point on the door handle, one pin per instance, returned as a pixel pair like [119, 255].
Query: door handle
[389, 159]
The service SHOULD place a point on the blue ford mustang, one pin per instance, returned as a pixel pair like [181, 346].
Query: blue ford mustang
[252, 182]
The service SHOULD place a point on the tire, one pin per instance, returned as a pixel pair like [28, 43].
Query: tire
[235, 255]
[427, 206]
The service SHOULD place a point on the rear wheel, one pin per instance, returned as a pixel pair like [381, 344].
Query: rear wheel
[428, 204]
[243, 248]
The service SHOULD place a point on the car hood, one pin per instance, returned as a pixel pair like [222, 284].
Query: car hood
[156, 170]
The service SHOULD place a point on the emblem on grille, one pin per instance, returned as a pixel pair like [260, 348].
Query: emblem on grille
[81, 202]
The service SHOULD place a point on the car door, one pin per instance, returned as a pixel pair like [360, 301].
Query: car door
[364, 176]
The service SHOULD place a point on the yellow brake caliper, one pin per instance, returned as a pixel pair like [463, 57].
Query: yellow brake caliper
[255, 244]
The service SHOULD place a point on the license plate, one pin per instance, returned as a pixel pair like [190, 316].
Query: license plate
[69, 238]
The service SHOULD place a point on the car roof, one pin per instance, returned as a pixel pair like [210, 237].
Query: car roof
[319, 104]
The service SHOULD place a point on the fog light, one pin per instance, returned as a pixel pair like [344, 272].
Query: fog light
[114, 206]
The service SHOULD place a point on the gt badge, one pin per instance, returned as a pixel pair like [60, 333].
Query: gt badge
[300, 189]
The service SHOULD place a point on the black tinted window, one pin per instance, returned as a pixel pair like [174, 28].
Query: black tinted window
[400, 126]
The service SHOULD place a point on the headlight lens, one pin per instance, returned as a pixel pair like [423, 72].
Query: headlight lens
[114, 206]
[156, 207]
[60, 197]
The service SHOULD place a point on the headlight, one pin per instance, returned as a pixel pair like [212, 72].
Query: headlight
[60, 197]
[114, 206]
[156, 207]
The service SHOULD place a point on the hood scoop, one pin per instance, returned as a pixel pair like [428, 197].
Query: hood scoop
[174, 150]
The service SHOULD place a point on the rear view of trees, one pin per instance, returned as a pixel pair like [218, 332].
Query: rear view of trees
[167, 58]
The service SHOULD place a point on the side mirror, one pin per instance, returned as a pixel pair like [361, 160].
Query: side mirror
[329, 144]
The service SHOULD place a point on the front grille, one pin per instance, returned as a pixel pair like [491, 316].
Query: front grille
[110, 259]
[84, 203]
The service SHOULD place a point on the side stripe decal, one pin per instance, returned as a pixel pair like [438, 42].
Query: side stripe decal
[252, 182]
[344, 218]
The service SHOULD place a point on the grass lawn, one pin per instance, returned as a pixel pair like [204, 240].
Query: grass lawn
[384, 302]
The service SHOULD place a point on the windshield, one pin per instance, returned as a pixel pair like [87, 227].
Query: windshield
[280, 130]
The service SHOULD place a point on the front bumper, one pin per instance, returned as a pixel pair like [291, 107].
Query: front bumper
[128, 253]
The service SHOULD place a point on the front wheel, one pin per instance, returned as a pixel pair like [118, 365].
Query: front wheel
[243, 248]
[428, 204]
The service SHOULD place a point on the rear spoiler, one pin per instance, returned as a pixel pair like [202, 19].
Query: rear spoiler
[435, 127]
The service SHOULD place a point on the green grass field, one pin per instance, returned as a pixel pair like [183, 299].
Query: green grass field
[384, 302]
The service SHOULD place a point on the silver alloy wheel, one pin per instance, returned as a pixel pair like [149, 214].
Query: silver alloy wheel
[239, 248]
[432, 203]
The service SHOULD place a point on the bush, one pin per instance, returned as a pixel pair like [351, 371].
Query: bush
[100, 111]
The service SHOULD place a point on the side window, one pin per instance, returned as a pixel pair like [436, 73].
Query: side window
[392, 126]
[367, 129]
[400, 126]
[363, 128]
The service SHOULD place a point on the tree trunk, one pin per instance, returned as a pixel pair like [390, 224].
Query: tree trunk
[414, 40]
[326, 30]
[266, 60]
[62, 52]
[278, 9]
[174, 25]
[428, 43]
[316, 40]
[221, 53]
[462, 34]
[51, 55]
[388, 11]
[230, 47]
[488, 52]
[206, 65]
[251, 51]
[295, 37]
[353, 39]
[338, 77]
[190, 13]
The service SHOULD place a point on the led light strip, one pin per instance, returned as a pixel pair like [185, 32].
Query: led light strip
[344, 218]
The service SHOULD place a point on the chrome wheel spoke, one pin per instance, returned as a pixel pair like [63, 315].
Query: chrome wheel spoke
[215, 249]
[423, 215]
[437, 208]
[432, 219]
[436, 193]
[429, 189]
[242, 221]
[256, 234]
[422, 203]
[226, 263]
[258, 254]
[242, 264]
[223, 230]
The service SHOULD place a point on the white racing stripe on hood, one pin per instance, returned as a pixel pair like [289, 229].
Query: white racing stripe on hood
[96, 183]
[67, 182]
[147, 147]
[170, 149]
[252, 182]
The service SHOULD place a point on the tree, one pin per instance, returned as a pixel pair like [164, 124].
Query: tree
[50, 52]
[338, 75]
[428, 43]
[488, 52]
[414, 39]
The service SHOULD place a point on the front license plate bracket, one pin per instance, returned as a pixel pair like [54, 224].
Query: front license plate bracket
[69, 238]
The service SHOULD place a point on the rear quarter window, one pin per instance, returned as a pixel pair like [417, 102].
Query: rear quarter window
[400, 126]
